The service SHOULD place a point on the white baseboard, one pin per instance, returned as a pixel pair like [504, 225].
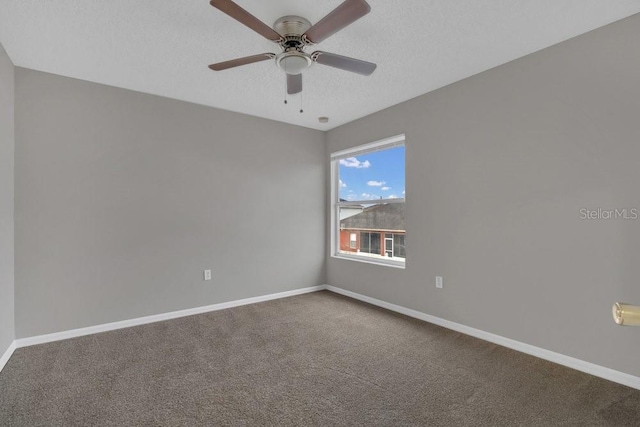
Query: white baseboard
[58, 336]
[7, 355]
[561, 359]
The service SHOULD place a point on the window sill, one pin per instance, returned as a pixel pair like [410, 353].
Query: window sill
[385, 263]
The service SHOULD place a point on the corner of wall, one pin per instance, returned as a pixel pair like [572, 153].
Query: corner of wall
[7, 198]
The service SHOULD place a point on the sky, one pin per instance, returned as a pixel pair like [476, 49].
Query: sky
[373, 176]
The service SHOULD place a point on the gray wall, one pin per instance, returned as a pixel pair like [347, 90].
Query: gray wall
[6, 201]
[123, 199]
[498, 168]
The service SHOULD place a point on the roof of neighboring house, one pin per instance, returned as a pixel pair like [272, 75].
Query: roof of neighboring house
[379, 217]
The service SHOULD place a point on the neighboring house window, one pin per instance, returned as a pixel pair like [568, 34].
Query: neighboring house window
[368, 202]
[370, 242]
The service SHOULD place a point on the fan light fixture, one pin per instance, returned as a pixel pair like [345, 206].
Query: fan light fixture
[293, 62]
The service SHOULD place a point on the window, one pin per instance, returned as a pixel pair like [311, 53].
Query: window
[353, 241]
[368, 202]
[370, 243]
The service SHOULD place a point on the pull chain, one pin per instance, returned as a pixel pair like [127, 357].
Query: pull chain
[301, 110]
[285, 83]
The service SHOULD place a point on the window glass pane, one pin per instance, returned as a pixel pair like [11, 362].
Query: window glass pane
[365, 238]
[373, 176]
[398, 246]
[377, 229]
[375, 244]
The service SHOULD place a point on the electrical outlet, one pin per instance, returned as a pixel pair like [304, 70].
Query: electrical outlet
[207, 275]
[439, 282]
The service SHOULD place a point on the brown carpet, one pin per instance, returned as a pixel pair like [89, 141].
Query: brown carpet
[316, 359]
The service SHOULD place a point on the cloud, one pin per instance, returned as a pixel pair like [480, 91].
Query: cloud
[352, 197]
[403, 192]
[342, 184]
[367, 196]
[393, 196]
[386, 188]
[376, 183]
[352, 162]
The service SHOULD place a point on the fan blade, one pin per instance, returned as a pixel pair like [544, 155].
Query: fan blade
[347, 13]
[244, 17]
[344, 63]
[294, 83]
[241, 61]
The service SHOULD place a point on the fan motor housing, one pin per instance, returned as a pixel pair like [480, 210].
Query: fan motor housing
[291, 26]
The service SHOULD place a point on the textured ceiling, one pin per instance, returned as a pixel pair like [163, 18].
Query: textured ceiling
[163, 47]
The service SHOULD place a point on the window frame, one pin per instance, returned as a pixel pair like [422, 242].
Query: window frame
[336, 204]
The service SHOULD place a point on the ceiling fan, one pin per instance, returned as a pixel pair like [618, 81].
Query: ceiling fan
[293, 34]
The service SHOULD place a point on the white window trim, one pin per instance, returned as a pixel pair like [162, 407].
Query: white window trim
[334, 158]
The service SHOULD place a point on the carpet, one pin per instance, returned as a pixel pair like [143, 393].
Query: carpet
[314, 359]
